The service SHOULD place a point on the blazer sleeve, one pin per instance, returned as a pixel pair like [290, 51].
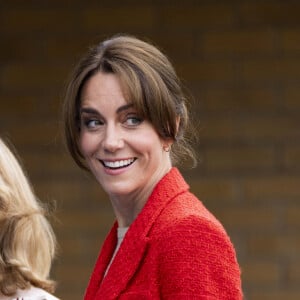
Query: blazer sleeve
[198, 261]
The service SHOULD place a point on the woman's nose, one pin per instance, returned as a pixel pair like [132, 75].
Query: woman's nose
[113, 139]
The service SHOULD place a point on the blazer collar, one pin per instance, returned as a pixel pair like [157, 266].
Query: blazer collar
[135, 242]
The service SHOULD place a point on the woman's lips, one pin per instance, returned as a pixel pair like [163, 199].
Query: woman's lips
[117, 164]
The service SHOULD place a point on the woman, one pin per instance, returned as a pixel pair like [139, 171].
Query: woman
[126, 122]
[27, 242]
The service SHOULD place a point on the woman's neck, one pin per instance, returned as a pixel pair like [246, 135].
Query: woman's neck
[127, 207]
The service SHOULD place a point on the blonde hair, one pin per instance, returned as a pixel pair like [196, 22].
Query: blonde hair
[149, 82]
[27, 241]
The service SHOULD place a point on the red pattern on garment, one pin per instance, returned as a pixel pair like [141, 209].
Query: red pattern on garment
[175, 249]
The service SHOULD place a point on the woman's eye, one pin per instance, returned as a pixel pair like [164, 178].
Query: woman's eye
[133, 121]
[91, 123]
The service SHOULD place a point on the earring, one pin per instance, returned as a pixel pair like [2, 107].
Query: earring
[167, 148]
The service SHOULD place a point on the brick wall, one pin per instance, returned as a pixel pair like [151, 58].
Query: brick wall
[241, 61]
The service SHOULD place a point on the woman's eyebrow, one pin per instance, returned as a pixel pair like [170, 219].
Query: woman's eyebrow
[90, 110]
[124, 107]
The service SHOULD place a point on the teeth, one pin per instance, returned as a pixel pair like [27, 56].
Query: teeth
[119, 163]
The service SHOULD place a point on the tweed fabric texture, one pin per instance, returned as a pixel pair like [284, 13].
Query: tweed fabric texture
[175, 249]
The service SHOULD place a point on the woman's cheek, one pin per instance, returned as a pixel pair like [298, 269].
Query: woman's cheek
[86, 143]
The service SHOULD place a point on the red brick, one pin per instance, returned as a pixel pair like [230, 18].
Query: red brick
[67, 193]
[80, 249]
[26, 20]
[34, 132]
[292, 216]
[291, 97]
[239, 42]
[20, 49]
[74, 274]
[180, 17]
[209, 190]
[59, 162]
[274, 246]
[206, 71]
[19, 105]
[119, 18]
[27, 76]
[272, 187]
[282, 128]
[277, 293]
[261, 273]
[69, 48]
[239, 158]
[249, 128]
[175, 44]
[270, 70]
[291, 156]
[270, 13]
[290, 41]
[234, 100]
[294, 272]
[217, 128]
[256, 218]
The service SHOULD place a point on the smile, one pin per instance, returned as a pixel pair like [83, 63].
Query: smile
[118, 163]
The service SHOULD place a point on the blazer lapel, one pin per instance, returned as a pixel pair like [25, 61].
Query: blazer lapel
[123, 267]
[102, 263]
[134, 245]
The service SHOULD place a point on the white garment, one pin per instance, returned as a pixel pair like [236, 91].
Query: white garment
[121, 231]
[33, 293]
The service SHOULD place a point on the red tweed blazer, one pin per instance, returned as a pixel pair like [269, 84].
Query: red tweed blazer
[175, 249]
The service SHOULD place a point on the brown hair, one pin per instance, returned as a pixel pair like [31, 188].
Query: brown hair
[148, 80]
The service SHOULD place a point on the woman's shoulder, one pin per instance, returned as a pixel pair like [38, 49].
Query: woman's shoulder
[186, 219]
[33, 293]
[186, 210]
[199, 231]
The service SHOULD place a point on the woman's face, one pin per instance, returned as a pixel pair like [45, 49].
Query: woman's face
[122, 150]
